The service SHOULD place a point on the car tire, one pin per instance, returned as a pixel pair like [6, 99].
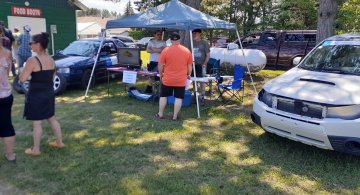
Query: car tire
[85, 79]
[59, 84]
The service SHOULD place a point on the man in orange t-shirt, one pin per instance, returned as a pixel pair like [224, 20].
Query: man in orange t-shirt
[175, 66]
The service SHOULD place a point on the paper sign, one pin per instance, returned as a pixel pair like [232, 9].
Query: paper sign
[53, 28]
[129, 77]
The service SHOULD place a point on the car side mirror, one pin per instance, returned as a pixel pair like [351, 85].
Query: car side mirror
[296, 60]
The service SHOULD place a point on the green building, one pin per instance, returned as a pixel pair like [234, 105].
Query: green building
[57, 16]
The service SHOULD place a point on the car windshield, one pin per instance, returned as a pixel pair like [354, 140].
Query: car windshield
[81, 48]
[341, 57]
[144, 40]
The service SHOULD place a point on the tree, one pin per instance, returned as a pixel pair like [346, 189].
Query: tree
[185, 34]
[146, 4]
[326, 19]
[90, 12]
[348, 18]
[129, 10]
[294, 14]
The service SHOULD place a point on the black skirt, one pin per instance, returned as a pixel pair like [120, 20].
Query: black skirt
[39, 106]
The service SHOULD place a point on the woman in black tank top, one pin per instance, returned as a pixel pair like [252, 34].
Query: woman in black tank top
[40, 99]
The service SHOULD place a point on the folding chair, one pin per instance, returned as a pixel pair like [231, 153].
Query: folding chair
[213, 66]
[234, 87]
[212, 69]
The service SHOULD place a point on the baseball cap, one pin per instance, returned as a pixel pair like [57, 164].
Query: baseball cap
[174, 36]
[27, 28]
[197, 30]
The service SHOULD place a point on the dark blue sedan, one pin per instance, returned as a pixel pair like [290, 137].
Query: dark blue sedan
[75, 62]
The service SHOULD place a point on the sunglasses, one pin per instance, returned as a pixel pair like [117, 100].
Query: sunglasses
[32, 43]
[158, 34]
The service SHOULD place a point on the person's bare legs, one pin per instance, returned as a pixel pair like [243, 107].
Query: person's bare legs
[55, 126]
[37, 131]
[162, 105]
[9, 143]
[177, 107]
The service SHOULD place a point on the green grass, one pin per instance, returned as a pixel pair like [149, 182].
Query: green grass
[115, 146]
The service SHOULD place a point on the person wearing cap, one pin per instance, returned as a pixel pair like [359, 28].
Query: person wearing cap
[24, 50]
[175, 65]
[202, 55]
[154, 47]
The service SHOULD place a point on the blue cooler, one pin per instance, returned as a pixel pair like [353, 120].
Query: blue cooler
[186, 101]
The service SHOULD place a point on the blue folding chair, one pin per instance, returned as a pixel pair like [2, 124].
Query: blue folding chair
[213, 66]
[234, 87]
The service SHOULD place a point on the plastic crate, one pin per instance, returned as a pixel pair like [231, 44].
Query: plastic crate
[186, 101]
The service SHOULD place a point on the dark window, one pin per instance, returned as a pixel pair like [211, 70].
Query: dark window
[270, 38]
[300, 37]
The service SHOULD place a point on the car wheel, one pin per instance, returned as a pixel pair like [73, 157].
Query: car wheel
[59, 84]
[85, 79]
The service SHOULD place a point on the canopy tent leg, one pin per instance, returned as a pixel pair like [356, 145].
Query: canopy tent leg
[96, 60]
[247, 64]
[193, 59]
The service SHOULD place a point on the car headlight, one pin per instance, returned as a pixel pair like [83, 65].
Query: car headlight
[266, 97]
[344, 112]
[63, 70]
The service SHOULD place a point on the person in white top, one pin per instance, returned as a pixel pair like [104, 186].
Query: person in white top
[7, 132]
[155, 46]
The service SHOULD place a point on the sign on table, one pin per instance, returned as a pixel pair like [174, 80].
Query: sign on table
[129, 77]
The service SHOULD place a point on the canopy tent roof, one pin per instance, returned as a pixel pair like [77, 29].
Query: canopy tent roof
[174, 15]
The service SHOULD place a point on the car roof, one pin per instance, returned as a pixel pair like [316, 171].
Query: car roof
[345, 37]
[95, 39]
[123, 37]
[292, 31]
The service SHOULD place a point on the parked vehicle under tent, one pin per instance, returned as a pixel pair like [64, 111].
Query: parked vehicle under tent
[173, 15]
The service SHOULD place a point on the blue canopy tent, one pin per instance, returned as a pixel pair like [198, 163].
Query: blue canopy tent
[173, 15]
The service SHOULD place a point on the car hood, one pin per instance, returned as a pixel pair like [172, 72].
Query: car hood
[70, 61]
[320, 87]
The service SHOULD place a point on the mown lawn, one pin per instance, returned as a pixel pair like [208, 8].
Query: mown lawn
[115, 146]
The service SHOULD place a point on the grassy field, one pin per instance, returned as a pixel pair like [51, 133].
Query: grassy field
[115, 146]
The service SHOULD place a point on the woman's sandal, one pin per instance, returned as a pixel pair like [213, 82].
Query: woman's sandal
[6, 158]
[158, 116]
[55, 144]
[30, 152]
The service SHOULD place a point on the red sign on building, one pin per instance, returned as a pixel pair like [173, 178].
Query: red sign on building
[26, 11]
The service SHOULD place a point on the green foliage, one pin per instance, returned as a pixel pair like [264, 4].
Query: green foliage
[259, 15]
[98, 13]
[294, 14]
[146, 4]
[138, 33]
[348, 17]
[128, 10]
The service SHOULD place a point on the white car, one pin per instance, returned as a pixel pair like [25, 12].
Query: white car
[318, 101]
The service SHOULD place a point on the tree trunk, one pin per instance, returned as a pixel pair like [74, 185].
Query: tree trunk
[326, 19]
[185, 34]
